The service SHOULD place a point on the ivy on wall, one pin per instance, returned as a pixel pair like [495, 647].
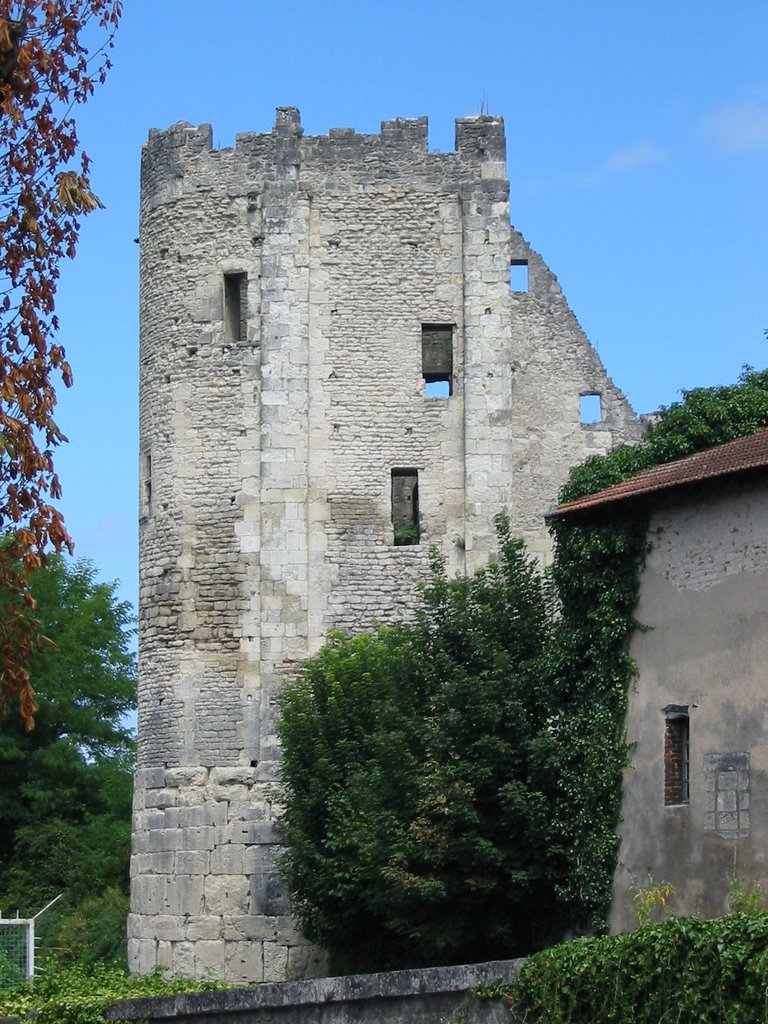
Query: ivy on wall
[596, 572]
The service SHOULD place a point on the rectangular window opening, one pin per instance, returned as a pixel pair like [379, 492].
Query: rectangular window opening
[405, 507]
[518, 275]
[676, 755]
[437, 360]
[590, 408]
[235, 307]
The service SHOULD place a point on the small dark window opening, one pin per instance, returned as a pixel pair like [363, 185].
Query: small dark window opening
[235, 307]
[676, 755]
[518, 275]
[590, 408]
[437, 360]
[146, 484]
[405, 506]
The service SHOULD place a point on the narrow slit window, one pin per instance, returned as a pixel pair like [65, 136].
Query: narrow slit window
[676, 755]
[146, 484]
[405, 507]
[235, 307]
[437, 360]
[518, 276]
[590, 408]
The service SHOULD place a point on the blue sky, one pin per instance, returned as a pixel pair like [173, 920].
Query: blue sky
[637, 154]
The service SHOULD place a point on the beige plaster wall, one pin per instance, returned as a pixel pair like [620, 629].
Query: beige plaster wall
[705, 598]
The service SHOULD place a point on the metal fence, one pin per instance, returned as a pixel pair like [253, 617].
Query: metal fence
[17, 947]
[17, 951]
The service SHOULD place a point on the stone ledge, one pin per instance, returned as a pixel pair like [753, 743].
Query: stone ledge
[429, 994]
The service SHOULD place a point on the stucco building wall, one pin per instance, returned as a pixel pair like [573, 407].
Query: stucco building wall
[286, 286]
[704, 595]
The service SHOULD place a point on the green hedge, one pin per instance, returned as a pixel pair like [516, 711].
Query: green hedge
[686, 971]
[80, 994]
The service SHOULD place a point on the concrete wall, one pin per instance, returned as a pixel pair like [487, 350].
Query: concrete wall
[432, 996]
[705, 596]
[266, 466]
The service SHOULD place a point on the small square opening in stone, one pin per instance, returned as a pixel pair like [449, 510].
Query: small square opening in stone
[518, 276]
[590, 408]
[437, 360]
[437, 388]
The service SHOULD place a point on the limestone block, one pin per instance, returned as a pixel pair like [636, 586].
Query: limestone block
[150, 778]
[164, 863]
[228, 860]
[227, 794]
[259, 859]
[183, 959]
[142, 956]
[251, 926]
[209, 957]
[160, 798]
[186, 776]
[275, 962]
[244, 961]
[165, 956]
[256, 811]
[200, 838]
[164, 839]
[193, 862]
[306, 961]
[226, 894]
[167, 927]
[183, 894]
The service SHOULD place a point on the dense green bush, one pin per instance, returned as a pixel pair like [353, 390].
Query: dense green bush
[416, 764]
[685, 970]
[79, 994]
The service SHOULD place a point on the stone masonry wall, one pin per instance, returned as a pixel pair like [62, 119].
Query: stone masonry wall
[267, 460]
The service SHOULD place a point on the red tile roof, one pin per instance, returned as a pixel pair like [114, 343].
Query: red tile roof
[740, 456]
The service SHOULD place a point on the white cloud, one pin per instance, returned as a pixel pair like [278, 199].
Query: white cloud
[739, 126]
[631, 158]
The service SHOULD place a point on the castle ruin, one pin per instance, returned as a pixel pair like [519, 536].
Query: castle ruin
[348, 354]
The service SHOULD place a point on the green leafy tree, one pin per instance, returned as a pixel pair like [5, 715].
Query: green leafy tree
[65, 787]
[416, 768]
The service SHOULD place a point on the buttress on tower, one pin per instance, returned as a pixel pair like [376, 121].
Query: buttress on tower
[348, 354]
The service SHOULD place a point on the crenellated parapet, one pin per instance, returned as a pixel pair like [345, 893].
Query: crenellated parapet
[399, 153]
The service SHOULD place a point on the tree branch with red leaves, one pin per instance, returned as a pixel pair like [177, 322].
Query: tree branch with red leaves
[52, 54]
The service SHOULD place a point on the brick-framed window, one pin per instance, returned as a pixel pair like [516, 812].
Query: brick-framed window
[676, 755]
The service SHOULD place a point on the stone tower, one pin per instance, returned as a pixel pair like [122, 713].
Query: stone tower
[347, 355]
